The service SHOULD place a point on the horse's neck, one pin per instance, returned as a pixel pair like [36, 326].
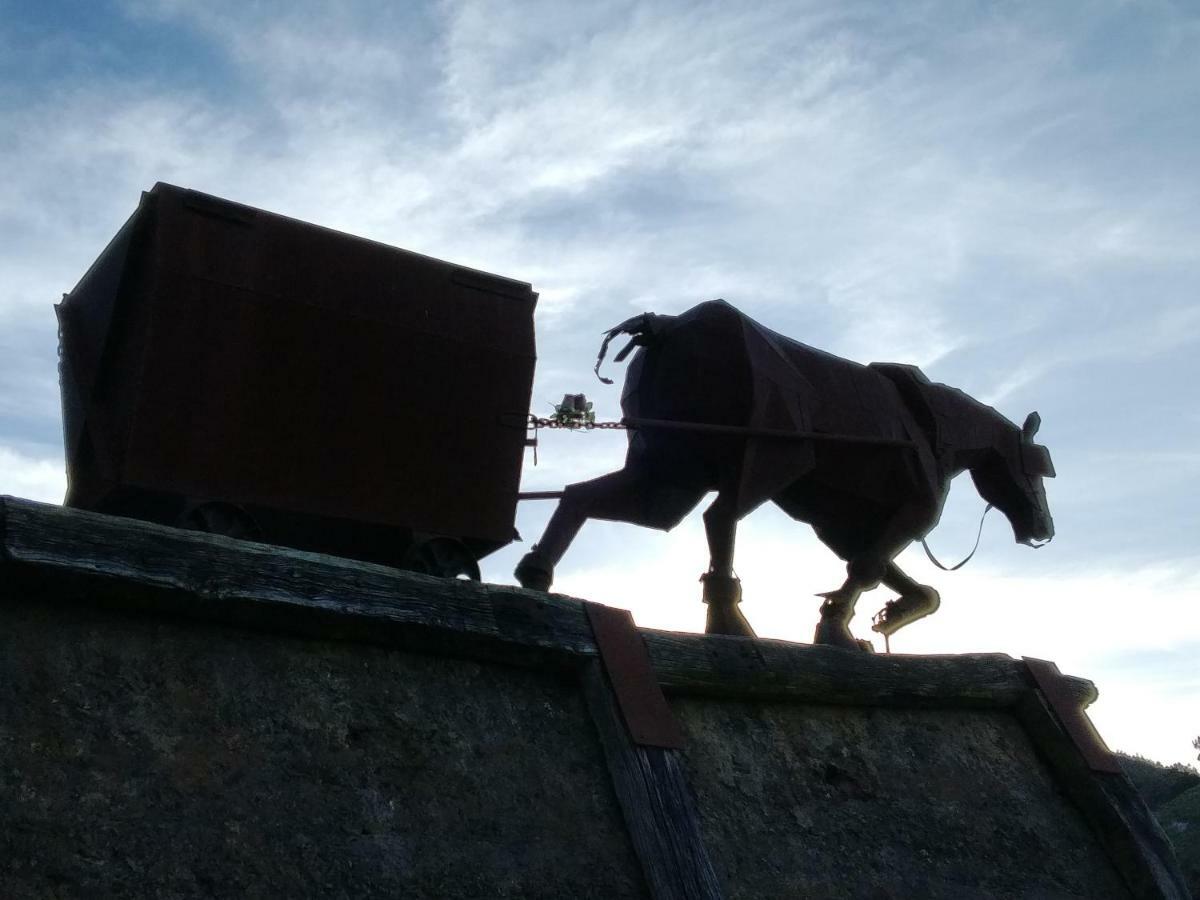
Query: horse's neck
[968, 429]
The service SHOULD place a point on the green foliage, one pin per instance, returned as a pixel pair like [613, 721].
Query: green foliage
[1180, 819]
[1158, 783]
[1184, 807]
[1173, 794]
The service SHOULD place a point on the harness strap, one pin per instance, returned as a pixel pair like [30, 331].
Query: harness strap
[933, 559]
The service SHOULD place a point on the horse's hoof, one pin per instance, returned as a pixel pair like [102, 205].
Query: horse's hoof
[534, 573]
[834, 633]
[905, 610]
[723, 593]
[727, 620]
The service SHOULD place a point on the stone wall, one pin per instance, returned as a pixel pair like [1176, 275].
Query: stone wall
[165, 758]
[190, 716]
[936, 804]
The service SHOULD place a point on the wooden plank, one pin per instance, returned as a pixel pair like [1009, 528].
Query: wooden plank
[643, 707]
[656, 800]
[734, 667]
[107, 560]
[134, 564]
[1124, 825]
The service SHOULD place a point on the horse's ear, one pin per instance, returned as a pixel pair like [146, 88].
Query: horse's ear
[1032, 423]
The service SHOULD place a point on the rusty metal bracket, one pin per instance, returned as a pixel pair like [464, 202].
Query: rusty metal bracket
[1062, 693]
[640, 698]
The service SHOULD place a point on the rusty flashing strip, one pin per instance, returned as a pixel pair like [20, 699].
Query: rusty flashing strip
[1065, 703]
[647, 716]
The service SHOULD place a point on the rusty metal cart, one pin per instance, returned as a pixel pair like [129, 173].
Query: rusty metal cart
[235, 371]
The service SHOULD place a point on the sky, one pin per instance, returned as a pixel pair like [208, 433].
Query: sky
[1003, 193]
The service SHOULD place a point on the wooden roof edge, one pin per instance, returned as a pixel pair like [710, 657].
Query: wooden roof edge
[136, 565]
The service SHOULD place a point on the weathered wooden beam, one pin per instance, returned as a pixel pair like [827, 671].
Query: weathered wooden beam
[1119, 817]
[743, 667]
[100, 559]
[656, 801]
[135, 564]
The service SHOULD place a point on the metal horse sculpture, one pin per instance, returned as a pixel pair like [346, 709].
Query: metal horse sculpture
[864, 454]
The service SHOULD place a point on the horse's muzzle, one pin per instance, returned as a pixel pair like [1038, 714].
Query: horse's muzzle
[1039, 535]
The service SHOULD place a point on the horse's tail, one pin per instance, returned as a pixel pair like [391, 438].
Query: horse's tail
[644, 330]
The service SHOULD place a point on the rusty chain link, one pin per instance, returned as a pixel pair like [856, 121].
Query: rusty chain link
[537, 422]
[541, 422]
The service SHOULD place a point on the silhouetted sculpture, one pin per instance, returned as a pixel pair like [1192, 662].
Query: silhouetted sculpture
[864, 454]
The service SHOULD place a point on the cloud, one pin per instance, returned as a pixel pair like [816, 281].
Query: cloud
[838, 161]
[1154, 334]
[33, 479]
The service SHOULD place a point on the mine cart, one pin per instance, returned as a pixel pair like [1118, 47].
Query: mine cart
[236, 371]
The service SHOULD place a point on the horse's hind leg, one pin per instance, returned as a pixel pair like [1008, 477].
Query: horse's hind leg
[627, 495]
[916, 601]
[579, 502]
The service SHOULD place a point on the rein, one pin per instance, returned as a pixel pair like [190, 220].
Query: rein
[979, 535]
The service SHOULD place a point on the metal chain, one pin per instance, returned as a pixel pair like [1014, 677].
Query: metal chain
[539, 422]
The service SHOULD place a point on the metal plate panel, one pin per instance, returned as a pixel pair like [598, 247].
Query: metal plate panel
[1065, 702]
[639, 696]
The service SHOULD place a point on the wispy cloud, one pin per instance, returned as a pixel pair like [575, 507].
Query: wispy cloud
[1155, 333]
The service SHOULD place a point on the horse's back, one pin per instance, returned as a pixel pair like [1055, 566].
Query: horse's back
[714, 365]
[694, 371]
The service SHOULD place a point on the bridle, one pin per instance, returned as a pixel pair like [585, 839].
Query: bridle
[978, 536]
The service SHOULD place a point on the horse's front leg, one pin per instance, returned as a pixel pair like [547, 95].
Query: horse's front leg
[866, 567]
[916, 601]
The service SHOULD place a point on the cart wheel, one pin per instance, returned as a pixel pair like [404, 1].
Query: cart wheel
[221, 518]
[441, 556]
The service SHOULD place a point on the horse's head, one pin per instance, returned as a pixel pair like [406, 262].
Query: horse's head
[1010, 478]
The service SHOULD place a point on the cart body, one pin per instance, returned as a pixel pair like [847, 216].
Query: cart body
[350, 396]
